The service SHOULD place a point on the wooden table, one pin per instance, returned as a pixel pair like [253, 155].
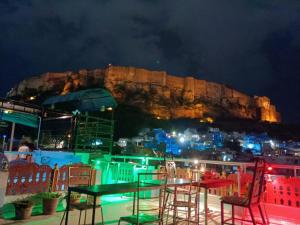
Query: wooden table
[108, 189]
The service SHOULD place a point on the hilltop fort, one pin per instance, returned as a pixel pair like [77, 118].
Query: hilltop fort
[156, 92]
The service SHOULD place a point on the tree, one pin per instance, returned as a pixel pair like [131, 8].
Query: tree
[233, 145]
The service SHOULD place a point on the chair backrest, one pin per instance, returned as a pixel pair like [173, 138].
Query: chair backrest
[159, 179]
[125, 172]
[256, 189]
[171, 169]
[184, 173]
[80, 175]
[196, 175]
[245, 182]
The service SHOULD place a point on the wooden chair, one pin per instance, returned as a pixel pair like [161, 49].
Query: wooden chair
[196, 175]
[171, 169]
[187, 199]
[81, 175]
[180, 197]
[152, 215]
[252, 200]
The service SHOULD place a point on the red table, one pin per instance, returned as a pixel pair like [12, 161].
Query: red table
[212, 183]
[206, 184]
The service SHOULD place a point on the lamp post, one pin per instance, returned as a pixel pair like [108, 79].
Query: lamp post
[3, 142]
[69, 140]
[13, 126]
[73, 135]
[111, 111]
[39, 132]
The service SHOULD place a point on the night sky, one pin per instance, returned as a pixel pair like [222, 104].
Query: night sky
[251, 45]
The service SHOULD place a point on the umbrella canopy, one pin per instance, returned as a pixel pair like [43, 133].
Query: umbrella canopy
[20, 118]
[85, 101]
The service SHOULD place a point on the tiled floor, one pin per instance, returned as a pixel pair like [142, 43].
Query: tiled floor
[114, 207]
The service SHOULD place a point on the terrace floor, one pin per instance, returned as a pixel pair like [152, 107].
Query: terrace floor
[116, 206]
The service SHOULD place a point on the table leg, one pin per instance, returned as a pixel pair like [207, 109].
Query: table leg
[160, 206]
[197, 212]
[94, 210]
[205, 206]
[68, 208]
[133, 209]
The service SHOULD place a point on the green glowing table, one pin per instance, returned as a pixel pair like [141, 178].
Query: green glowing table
[108, 189]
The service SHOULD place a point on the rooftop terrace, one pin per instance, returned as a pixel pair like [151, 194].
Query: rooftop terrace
[281, 199]
[114, 207]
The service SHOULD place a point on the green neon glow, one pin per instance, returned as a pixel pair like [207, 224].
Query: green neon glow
[84, 157]
[111, 199]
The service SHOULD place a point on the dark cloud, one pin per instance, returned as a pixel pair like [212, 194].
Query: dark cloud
[252, 45]
[282, 49]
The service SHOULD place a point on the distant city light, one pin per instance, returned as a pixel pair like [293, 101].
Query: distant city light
[122, 142]
[182, 139]
[251, 146]
[209, 120]
[196, 161]
[272, 144]
[97, 143]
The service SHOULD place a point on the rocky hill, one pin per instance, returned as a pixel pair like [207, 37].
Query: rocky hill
[164, 96]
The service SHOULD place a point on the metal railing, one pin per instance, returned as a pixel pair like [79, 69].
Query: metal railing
[241, 167]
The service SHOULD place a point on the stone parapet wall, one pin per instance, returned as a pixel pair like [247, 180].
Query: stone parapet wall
[174, 82]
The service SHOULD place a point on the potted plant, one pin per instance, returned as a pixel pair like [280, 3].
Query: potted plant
[90, 200]
[23, 208]
[75, 198]
[50, 202]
